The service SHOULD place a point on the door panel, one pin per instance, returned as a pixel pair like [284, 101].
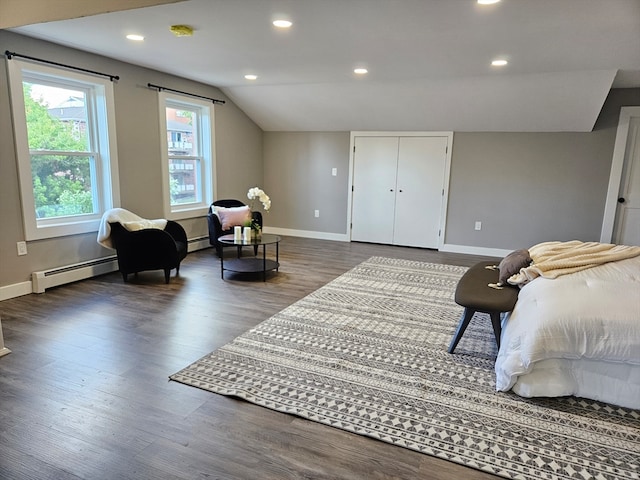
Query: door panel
[628, 213]
[374, 185]
[421, 168]
[630, 227]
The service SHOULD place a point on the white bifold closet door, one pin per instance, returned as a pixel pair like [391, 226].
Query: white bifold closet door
[398, 190]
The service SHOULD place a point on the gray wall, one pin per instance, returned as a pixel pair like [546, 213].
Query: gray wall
[527, 188]
[297, 177]
[238, 157]
[524, 187]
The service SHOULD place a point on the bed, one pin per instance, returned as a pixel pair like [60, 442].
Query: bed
[575, 334]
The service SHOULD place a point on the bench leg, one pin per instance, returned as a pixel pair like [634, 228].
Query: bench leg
[497, 326]
[462, 326]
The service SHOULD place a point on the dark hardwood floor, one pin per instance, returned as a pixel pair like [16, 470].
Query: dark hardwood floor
[85, 393]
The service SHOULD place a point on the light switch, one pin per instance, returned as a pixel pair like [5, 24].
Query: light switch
[334, 171]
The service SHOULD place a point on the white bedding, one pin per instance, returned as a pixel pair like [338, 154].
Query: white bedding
[578, 334]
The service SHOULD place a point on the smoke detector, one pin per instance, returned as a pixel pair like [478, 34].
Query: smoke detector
[181, 30]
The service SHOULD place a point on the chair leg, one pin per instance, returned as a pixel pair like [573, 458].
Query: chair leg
[124, 277]
[497, 326]
[462, 326]
[167, 274]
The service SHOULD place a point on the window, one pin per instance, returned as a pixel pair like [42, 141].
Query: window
[65, 142]
[188, 162]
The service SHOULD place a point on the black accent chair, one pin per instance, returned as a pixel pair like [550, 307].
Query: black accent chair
[215, 228]
[149, 248]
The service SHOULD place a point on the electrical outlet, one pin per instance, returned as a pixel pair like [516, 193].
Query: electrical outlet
[478, 225]
[22, 248]
[316, 213]
[334, 172]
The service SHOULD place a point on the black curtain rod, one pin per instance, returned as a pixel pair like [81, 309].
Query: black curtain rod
[159, 88]
[9, 55]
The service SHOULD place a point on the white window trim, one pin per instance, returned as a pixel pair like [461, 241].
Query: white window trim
[208, 152]
[109, 189]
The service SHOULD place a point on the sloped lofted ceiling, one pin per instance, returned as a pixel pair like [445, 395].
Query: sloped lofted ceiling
[429, 61]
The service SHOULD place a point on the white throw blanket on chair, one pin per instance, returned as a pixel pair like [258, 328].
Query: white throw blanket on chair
[129, 220]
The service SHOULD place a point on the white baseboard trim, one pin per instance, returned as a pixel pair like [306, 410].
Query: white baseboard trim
[343, 237]
[339, 237]
[489, 252]
[25, 288]
[15, 290]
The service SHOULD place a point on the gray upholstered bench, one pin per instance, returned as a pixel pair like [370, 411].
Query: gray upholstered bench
[474, 294]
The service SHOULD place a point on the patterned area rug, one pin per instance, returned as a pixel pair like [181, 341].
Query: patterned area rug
[367, 353]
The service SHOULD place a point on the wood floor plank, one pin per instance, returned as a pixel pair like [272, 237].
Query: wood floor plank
[85, 393]
[15, 464]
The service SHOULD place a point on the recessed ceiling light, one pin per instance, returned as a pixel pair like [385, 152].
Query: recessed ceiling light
[251, 77]
[282, 23]
[137, 38]
[499, 63]
[360, 71]
[487, 2]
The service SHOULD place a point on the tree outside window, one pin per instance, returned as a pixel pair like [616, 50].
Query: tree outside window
[64, 127]
[61, 161]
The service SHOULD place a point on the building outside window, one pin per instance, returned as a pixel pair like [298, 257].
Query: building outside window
[65, 143]
[189, 161]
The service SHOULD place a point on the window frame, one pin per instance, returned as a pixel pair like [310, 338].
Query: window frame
[103, 144]
[206, 139]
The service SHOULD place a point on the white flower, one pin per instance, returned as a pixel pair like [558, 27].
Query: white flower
[258, 193]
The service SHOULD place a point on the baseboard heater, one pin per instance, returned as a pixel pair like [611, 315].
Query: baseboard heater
[40, 281]
[198, 243]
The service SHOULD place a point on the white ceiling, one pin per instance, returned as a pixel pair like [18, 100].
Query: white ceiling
[429, 60]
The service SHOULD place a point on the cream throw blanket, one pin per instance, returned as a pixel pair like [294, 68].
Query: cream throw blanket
[552, 259]
[129, 220]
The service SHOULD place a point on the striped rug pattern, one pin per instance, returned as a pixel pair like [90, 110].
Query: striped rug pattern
[367, 353]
